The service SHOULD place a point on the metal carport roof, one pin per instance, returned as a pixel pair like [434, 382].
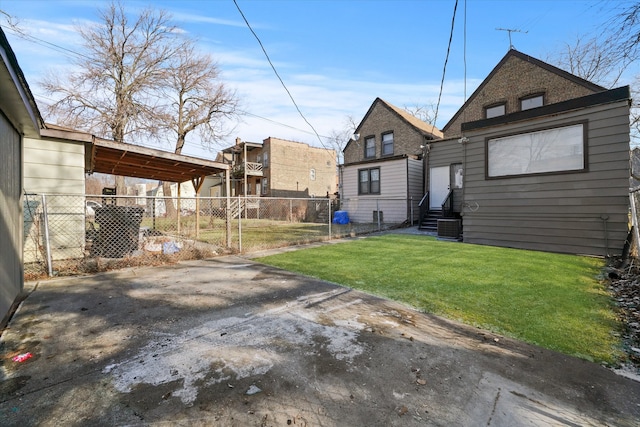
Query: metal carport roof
[115, 158]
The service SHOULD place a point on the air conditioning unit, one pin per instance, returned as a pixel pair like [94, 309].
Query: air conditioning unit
[449, 228]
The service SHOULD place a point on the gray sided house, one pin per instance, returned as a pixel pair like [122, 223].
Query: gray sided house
[19, 118]
[545, 159]
[383, 165]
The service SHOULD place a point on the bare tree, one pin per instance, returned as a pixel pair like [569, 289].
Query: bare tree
[426, 113]
[338, 138]
[199, 101]
[113, 92]
[625, 39]
[604, 58]
[592, 60]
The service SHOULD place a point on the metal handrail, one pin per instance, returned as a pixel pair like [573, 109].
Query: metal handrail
[447, 205]
[424, 206]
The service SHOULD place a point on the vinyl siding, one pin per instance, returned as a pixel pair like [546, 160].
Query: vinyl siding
[554, 212]
[445, 153]
[53, 166]
[392, 200]
[10, 216]
[414, 181]
[56, 167]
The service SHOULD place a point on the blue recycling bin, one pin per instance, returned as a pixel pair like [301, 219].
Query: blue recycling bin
[340, 217]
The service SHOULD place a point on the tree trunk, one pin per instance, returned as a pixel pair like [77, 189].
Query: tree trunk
[121, 190]
[170, 206]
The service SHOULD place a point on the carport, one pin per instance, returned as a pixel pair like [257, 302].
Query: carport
[116, 158]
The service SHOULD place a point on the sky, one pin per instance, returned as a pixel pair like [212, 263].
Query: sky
[335, 57]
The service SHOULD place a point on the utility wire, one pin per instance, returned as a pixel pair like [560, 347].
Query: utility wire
[453, 20]
[278, 75]
[13, 29]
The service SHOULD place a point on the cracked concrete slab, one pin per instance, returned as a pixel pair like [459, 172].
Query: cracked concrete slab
[231, 342]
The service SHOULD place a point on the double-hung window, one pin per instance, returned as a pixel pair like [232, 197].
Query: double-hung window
[387, 144]
[369, 181]
[370, 147]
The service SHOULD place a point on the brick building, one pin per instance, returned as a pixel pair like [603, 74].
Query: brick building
[545, 160]
[519, 82]
[281, 168]
[382, 175]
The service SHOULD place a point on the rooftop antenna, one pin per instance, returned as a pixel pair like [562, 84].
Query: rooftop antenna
[509, 30]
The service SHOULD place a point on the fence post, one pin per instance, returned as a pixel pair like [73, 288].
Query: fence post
[634, 221]
[239, 226]
[290, 210]
[47, 243]
[329, 208]
[378, 211]
[229, 215]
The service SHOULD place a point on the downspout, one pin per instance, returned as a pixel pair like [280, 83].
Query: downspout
[604, 219]
[409, 200]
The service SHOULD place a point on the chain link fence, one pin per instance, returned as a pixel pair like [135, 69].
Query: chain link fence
[634, 202]
[72, 234]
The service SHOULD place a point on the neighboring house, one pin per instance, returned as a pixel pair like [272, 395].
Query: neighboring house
[155, 198]
[280, 168]
[545, 159]
[383, 165]
[19, 119]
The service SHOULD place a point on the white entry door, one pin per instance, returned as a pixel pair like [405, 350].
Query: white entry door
[438, 186]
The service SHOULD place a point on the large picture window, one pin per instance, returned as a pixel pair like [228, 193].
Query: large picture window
[546, 151]
[369, 181]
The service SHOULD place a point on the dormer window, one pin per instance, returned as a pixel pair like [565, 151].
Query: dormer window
[495, 110]
[532, 101]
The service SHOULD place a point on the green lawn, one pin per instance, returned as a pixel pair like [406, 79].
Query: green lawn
[552, 300]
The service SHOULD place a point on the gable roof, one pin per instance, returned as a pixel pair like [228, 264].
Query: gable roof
[17, 101]
[423, 127]
[548, 67]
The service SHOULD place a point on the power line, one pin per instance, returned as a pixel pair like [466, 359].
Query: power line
[13, 29]
[444, 71]
[278, 75]
[282, 124]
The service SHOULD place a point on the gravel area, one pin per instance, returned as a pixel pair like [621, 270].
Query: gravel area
[624, 285]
